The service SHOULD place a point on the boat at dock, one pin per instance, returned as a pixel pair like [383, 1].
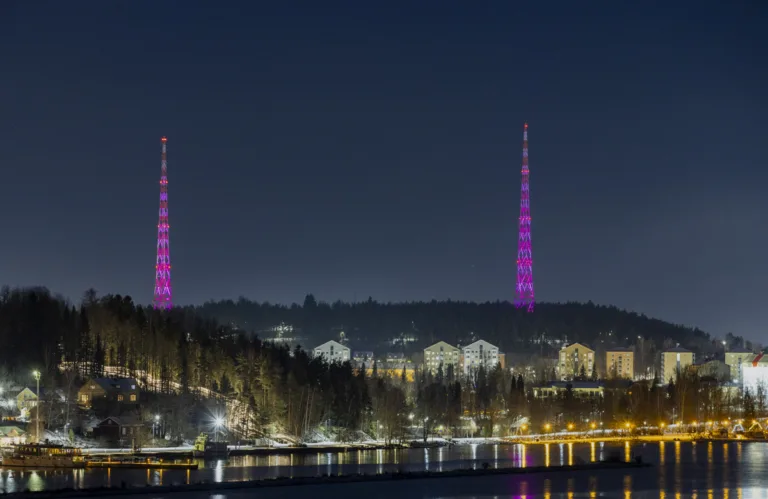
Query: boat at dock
[44, 456]
[209, 450]
[141, 463]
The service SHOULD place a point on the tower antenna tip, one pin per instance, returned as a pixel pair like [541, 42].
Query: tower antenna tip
[164, 139]
[526, 125]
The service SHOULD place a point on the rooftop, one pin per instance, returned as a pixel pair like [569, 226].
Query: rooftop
[677, 349]
[120, 384]
[620, 349]
[738, 350]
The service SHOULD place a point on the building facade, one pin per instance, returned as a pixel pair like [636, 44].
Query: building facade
[332, 351]
[441, 354]
[574, 359]
[673, 361]
[479, 353]
[362, 359]
[620, 363]
[736, 358]
[715, 369]
[578, 388]
[108, 392]
[755, 374]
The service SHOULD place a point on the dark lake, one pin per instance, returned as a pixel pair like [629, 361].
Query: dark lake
[682, 469]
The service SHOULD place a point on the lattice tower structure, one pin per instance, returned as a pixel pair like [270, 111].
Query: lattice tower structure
[163, 299]
[524, 286]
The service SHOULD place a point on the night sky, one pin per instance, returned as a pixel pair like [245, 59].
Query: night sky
[365, 148]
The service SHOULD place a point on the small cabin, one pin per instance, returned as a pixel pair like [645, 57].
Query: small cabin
[121, 431]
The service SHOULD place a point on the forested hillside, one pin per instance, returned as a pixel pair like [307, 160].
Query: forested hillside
[369, 324]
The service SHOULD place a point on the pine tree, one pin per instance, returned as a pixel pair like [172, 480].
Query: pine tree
[98, 358]
[183, 364]
[85, 352]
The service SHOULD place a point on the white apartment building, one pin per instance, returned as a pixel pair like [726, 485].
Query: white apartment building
[479, 353]
[441, 354]
[332, 351]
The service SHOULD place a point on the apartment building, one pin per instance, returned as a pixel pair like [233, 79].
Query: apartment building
[573, 358]
[620, 362]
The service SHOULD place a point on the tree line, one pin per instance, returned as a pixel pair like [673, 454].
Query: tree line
[285, 393]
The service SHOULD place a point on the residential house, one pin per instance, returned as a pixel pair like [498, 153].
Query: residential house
[122, 431]
[479, 353]
[26, 400]
[112, 393]
[576, 359]
[332, 351]
[620, 362]
[12, 435]
[674, 360]
[441, 354]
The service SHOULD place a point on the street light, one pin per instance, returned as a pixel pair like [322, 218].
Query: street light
[36, 375]
[155, 427]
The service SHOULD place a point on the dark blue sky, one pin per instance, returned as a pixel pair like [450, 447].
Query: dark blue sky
[352, 149]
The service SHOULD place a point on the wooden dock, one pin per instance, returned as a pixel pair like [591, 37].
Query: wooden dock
[143, 464]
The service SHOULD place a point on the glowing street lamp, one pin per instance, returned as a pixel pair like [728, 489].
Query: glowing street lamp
[218, 424]
[36, 375]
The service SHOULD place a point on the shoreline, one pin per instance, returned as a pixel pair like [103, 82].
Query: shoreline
[342, 448]
[328, 480]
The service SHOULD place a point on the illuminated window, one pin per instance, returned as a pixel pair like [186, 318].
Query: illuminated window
[120, 398]
[133, 397]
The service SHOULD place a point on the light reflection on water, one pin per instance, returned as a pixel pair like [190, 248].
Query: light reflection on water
[707, 469]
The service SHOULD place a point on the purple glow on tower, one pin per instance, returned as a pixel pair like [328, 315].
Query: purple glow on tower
[162, 300]
[524, 288]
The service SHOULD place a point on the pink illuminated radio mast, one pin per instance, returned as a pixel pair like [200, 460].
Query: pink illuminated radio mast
[162, 300]
[524, 288]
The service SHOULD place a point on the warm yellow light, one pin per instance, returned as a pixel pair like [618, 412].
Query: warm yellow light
[547, 426]
[593, 425]
[662, 425]
[627, 425]
[725, 423]
[524, 427]
[693, 423]
[570, 426]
